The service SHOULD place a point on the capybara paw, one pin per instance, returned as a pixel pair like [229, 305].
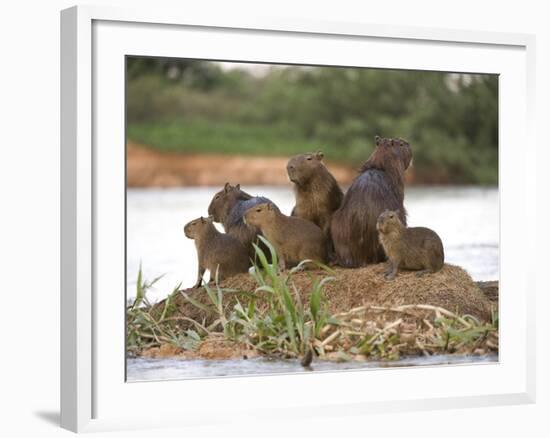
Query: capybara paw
[389, 276]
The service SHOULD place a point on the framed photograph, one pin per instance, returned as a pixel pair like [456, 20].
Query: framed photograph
[306, 218]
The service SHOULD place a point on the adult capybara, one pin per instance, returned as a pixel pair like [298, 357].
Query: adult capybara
[415, 249]
[380, 186]
[228, 207]
[216, 251]
[294, 239]
[317, 193]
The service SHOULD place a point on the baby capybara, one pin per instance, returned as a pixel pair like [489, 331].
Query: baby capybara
[294, 239]
[228, 207]
[216, 251]
[317, 193]
[415, 249]
[380, 186]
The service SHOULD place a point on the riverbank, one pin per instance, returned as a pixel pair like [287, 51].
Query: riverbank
[147, 167]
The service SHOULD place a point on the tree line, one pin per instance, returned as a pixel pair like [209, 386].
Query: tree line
[450, 119]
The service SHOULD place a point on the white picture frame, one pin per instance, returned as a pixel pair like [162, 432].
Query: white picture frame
[94, 40]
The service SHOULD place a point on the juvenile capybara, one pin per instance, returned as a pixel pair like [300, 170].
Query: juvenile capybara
[216, 251]
[228, 207]
[317, 193]
[294, 239]
[380, 186]
[415, 249]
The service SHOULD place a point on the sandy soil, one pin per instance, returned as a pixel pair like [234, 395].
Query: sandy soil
[214, 347]
[149, 168]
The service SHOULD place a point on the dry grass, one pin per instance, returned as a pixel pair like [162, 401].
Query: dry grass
[451, 288]
[413, 329]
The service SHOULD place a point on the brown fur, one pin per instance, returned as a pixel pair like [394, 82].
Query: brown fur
[293, 238]
[379, 187]
[317, 193]
[228, 207]
[216, 251]
[415, 249]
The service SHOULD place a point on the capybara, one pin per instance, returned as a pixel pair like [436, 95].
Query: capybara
[294, 239]
[415, 249]
[228, 207]
[216, 251]
[317, 193]
[378, 187]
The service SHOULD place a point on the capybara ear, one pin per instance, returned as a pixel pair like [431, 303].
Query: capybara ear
[202, 220]
[269, 206]
[377, 140]
[319, 155]
[238, 186]
[226, 187]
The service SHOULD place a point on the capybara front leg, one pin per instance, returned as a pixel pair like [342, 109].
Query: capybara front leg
[199, 277]
[391, 272]
[282, 263]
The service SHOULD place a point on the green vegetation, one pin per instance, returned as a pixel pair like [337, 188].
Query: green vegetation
[198, 136]
[273, 321]
[451, 120]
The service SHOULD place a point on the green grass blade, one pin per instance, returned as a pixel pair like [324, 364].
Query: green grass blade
[196, 303]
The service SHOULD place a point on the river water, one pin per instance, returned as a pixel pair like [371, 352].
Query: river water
[140, 369]
[466, 218]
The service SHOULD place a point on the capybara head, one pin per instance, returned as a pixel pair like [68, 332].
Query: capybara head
[388, 221]
[394, 149]
[301, 168]
[223, 201]
[195, 227]
[259, 214]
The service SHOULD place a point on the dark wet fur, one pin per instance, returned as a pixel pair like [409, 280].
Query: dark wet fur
[236, 214]
[247, 234]
[379, 187]
[229, 211]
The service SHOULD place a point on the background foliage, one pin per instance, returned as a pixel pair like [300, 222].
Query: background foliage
[451, 120]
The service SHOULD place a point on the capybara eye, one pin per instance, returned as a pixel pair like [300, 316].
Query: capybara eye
[309, 158]
[258, 210]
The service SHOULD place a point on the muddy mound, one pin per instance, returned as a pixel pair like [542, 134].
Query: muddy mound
[451, 288]
[214, 347]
